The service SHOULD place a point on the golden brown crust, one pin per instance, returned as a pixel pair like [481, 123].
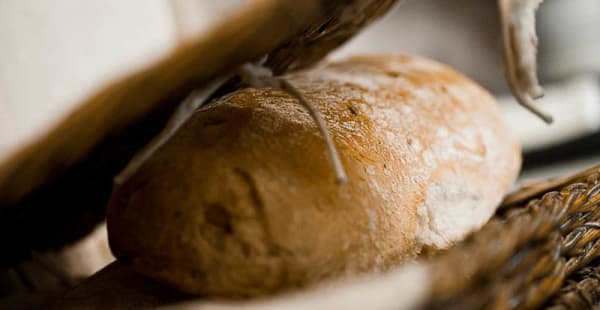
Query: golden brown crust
[242, 201]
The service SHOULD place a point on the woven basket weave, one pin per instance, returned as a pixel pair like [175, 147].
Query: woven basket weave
[532, 254]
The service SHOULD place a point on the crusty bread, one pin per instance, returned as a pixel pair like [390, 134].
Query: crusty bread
[242, 200]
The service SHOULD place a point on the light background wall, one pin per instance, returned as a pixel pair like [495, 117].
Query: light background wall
[55, 53]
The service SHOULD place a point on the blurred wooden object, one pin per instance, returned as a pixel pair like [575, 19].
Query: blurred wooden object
[117, 287]
[29, 283]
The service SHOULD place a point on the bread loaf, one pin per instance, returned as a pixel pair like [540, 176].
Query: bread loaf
[242, 200]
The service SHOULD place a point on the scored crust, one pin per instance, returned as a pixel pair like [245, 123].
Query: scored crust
[242, 200]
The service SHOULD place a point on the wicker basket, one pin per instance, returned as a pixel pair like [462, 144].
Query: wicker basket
[538, 251]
